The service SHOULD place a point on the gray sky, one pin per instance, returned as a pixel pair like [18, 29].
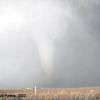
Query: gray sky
[51, 43]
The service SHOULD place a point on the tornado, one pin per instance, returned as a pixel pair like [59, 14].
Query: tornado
[44, 26]
[48, 25]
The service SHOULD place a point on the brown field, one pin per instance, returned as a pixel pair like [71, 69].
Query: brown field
[50, 94]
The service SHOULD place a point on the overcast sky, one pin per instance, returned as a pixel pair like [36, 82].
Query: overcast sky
[50, 43]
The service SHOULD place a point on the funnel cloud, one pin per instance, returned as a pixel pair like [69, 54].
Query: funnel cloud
[49, 43]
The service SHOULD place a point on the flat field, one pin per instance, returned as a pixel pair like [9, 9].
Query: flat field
[50, 94]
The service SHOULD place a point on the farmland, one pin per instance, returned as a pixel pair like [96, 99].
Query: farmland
[50, 94]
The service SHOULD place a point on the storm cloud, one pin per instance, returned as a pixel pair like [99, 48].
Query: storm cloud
[49, 43]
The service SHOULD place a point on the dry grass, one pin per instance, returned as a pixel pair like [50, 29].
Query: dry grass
[51, 94]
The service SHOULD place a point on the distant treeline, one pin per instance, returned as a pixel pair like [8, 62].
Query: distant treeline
[12, 95]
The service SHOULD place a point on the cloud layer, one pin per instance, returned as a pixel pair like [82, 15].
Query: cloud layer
[51, 43]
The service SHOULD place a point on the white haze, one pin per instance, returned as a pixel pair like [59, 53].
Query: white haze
[49, 43]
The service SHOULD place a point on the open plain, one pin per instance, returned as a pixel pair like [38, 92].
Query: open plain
[50, 94]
